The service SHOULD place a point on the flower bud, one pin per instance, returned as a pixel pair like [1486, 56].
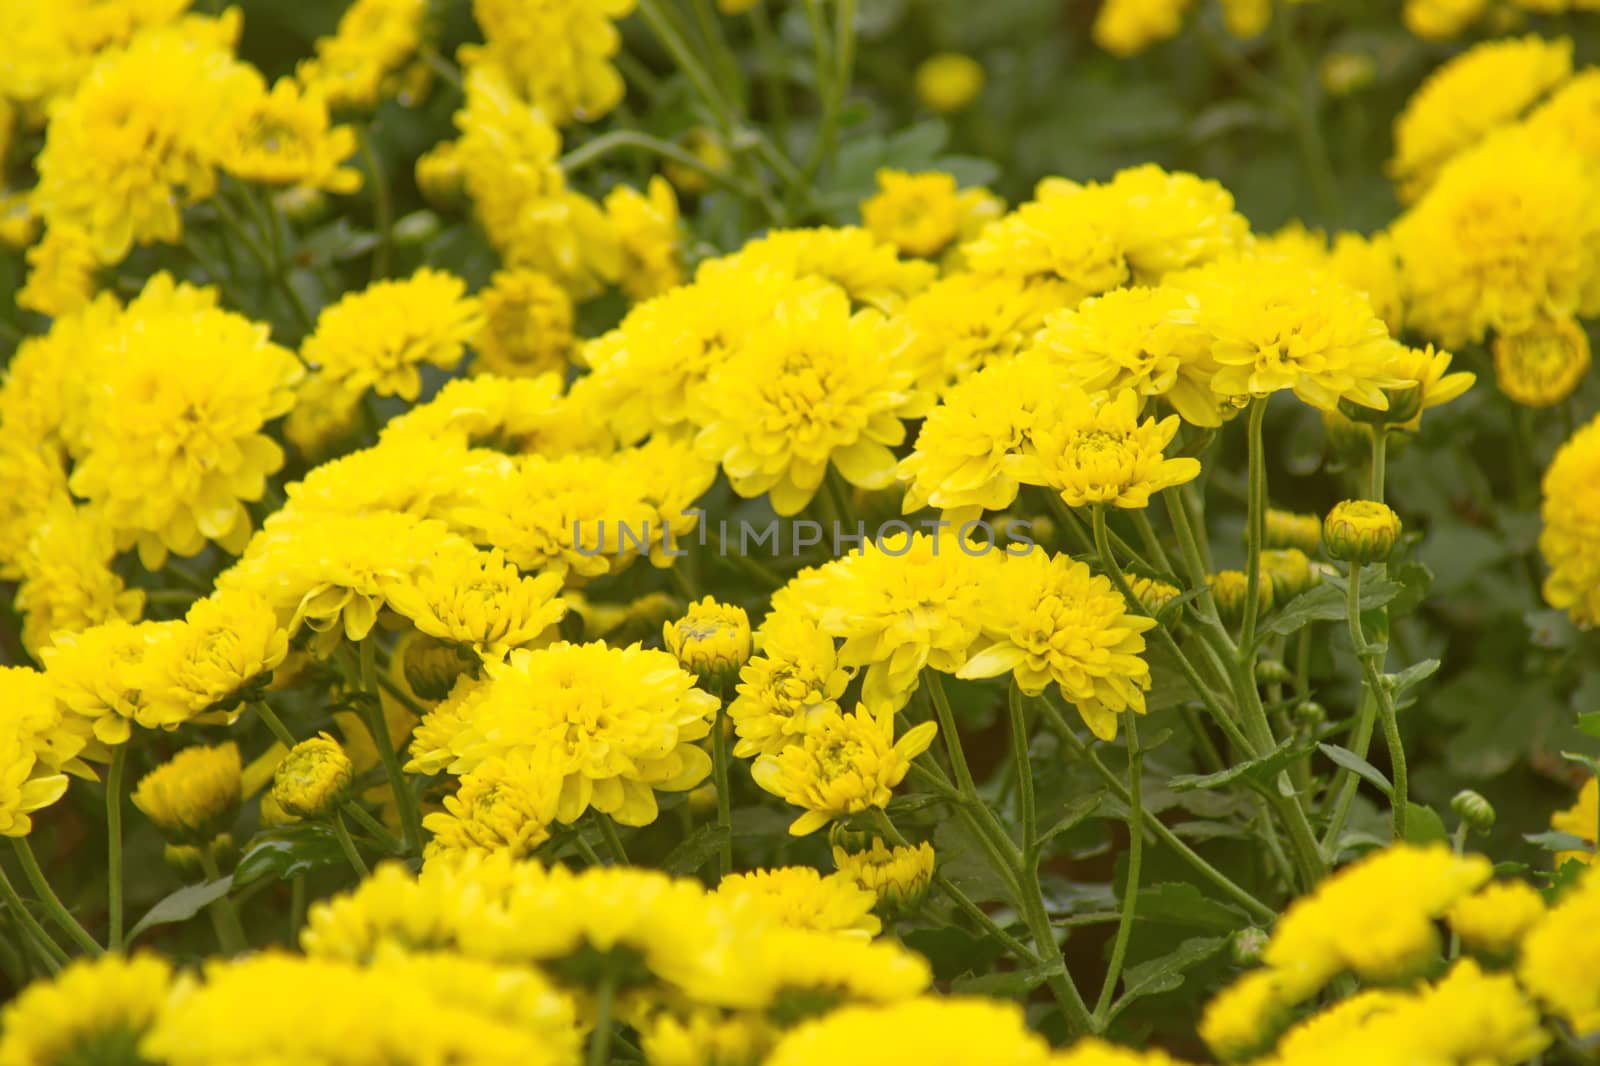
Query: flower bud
[712, 640]
[1405, 403]
[313, 778]
[302, 203]
[439, 176]
[899, 876]
[1152, 593]
[1285, 529]
[704, 146]
[432, 666]
[948, 82]
[1308, 714]
[1361, 531]
[1542, 365]
[1246, 946]
[417, 227]
[193, 796]
[1474, 810]
[1272, 672]
[1230, 589]
[1289, 571]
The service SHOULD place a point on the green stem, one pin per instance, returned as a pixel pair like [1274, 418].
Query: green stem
[1380, 452]
[1300, 105]
[608, 832]
[1254, 531]
[667, 33]
[1063, 730]
[224, 916]
[274, 724]
[947, 730]
[1024, 768]
[600, 1038]
[51, 952]
[1397, 764]
[826, 75]
[1130, 893]
[594, 150]
[297, 907]
[341, 832]
[385, 839]
[51, 902]
[724, 67]
[964, 903]
[115, 776]
[772, 63]
[719, 770]
[382, 203]
[378, 726]
[1152, 543]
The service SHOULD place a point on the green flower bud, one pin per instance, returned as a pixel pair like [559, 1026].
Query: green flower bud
[1473, 810]
[1361, 531]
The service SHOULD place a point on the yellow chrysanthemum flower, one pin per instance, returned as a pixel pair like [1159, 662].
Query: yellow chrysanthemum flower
[1047, 619]
[93, 1007]
[712, 640]
[479, 600]
[1093, 452]
[1168, 221]
[1570, 539]
[1495, 919]
[964, 322]
[935, 1031]
[814, 388]
[802, 898]
[62, 272]
[794, 676]
[1479, 90]
[948, 82]
[851, 258]
[102, 674]
[622, 721]
[505, 805]
[67, 582]
[1571, 114]
[356, 66]
[1559, 956]
[229, 642]
[1544, 364]
[1127, 27]
[844, 764]
[527, 326]
[898, 877]
[646, 229]
[922, 214]
[313, 778]
[1243, 1017]
[194, 795]
[557, 54]
[284, 138]
[1361, 531]
[378, 338]
[1440, 20]
[171, 444]
[1063, 236]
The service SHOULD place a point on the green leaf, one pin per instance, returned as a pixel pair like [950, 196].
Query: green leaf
[287, 853]
[1166, 973]
[1012, 984]
[1555, 841]
[1326, 602]
[1412, 675]
[1423, 825]
[1358, 766]
[1184, 904]
[1589, 722]
[1074, 814]
[694, 851]
[181, 905]
[1258, 771]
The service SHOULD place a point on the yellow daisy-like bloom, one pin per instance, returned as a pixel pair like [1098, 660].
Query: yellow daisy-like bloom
[948, 82]
[1434, 384]
[1230, 589]
[1374, 917]
[284, 138]
[1361, 531]
[932, 1031]
[802, 898]
[36, 741]
[62, 269]
[920, 214]
[1542, 365]
[1496, 918]
[1100, 453]
[844, 764]
[377, 338]
[703, 1036]
[100, 674]
[479, 600]
[1047, 619]
[1152, 593]
[228, 642]
[527, 326]
[1066, 235]
[852, 258]
[1505, 237]
[646, 228]
[794, 676]
[93, 1007]
[67, 583]
[1370, 266]
[1570, 114]
[136, 140]
[905, 602]
[505, 805]
[508, 156]
[898, 877]
[1273, 326]
[313, 777]
[172, 443]
[712, 640]
[1285, 529]
[194, 795]
[357, 65]
[1464, 99]
[816, 386]
[1579, 820]
[1289, 571]
[333, 572]
[1246, 18]
[965, 322]
[1140, 339]
[1242, 1018]
[1170, 220]
[1560, 954]
[1570, 539]
[1440, 20]
[1127, 27]
[623, 721]
[557, 53]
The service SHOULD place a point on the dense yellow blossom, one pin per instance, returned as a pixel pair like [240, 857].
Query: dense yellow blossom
[843, 764]
[949, 81]
[1495, 919]
[556, 54]
[193, 796]
[801, 897]
[1570, 539]
[898, 877]
[646, 229]
[67, 583]
[90, 1007]
[1542, 365]
[356, 66]
[313, 778]
[964, 322]
[1047, 619]
[479, 600]
[923, 214]
[1127, 27]
[284, 138]
[794, 675]
[527, 325]
[852, 258]
[917, 1032]
[711, 640]
[506, 804]
[228, 642]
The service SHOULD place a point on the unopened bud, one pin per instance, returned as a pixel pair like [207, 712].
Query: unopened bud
[1473, 810]
[1361, 531]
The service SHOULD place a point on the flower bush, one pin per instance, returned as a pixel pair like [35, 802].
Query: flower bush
[762, 532]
